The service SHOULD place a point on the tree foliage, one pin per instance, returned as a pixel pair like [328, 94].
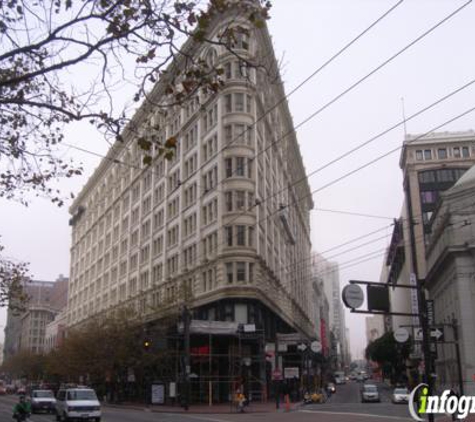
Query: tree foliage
[105, 350]
[12, 277]
[388, 353]
[49, 46]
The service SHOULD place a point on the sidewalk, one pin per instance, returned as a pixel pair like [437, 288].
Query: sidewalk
[220, 408]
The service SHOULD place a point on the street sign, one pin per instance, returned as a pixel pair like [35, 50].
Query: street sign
[437, 333]
[316, 346]
[353, 296]
[302, 347]
[378, 298]
[291, 372]
[418, 334]
[401, 335]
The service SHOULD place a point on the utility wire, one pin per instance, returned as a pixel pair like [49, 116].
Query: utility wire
[387, 61]
[359, 81]
[261, 117]
[384, 63]
[357, 214]
[301, 84]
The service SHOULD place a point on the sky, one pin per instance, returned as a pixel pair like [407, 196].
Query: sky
[306, 34]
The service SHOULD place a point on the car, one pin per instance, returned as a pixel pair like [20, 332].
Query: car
[359, 378]
[42, 401]
[77, 403]
[370, 393]
[331, 388]
[400, 395]
[3, 390]
[21, 391]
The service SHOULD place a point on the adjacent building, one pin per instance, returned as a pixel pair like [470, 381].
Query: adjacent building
[26, 330]
[329, 272]
[55, 332]
[451, 280]
[431, 164]
[374, 328]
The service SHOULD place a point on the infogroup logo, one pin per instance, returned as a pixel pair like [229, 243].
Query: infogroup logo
[421, 404]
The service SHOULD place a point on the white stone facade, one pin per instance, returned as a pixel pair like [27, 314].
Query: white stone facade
[451, 280]
[227, 217]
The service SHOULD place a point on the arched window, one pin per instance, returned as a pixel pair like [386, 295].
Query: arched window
[211, 57]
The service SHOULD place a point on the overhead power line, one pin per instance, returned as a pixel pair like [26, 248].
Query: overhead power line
[280, 101]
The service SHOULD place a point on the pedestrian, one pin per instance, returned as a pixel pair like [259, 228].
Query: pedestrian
[240, 401]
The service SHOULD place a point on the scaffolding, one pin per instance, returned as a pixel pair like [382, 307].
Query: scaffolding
[224, 358]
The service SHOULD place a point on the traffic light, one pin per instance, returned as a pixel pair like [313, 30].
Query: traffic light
[147, 344]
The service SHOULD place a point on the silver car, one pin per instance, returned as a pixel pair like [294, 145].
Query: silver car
[42, 401]
[400, 395]
[370, 393]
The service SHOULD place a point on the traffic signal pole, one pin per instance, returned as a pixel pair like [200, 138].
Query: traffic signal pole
[186, 332]
[423, 320]
[428, 379]
[457, 352]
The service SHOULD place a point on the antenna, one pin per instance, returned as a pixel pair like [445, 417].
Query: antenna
[404, 116]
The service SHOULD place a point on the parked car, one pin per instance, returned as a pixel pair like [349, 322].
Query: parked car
[370, 393]
[400, 395]
[21, 391]
[77, 403]
[3, 390]
[359, 378]
[42, 401]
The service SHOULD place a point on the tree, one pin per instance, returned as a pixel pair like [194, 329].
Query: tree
[12, 276]
[389, 354]
[46, 44]
[43, 42]
[107, 350]
[25, 364]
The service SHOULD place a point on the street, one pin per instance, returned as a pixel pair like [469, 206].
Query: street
[344, 406]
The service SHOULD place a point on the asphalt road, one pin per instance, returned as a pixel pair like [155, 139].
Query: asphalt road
[347, 400]
[344, 406]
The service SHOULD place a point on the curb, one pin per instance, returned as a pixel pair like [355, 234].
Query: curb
[191, 411]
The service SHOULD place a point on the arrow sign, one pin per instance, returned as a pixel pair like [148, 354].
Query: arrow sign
[437, 334]
[301, 347]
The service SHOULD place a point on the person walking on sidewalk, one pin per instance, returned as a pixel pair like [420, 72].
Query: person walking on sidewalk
[240, 401]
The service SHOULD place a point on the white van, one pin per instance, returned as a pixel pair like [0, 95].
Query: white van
[77, 403]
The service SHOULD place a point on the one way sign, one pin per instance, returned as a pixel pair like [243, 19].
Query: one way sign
[436, 334]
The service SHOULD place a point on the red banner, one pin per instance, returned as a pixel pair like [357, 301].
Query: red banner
[323, 337]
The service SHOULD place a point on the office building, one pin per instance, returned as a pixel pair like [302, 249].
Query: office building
[221, 227]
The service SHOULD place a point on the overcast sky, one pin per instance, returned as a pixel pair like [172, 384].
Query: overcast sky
[306, 33]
